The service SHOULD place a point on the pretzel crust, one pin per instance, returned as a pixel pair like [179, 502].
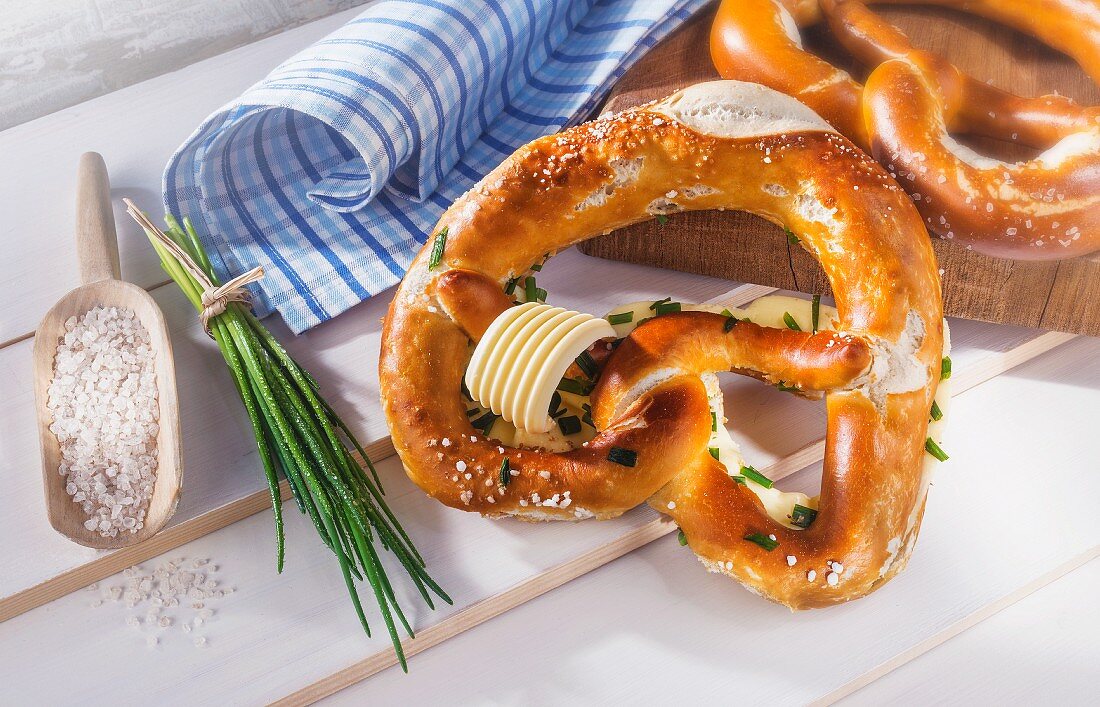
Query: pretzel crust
[726, 145]
[999, 209]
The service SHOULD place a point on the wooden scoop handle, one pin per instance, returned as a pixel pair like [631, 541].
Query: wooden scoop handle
[96, 243]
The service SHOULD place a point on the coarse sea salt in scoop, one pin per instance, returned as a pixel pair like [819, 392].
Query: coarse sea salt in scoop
[103, 400]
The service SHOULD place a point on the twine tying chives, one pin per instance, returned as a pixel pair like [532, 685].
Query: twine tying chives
[214, 298]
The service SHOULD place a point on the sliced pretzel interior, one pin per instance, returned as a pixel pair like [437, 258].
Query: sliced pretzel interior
[726, 145]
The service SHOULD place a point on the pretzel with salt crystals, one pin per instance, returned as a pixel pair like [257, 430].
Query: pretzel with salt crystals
[1045, 208]
[720, 145]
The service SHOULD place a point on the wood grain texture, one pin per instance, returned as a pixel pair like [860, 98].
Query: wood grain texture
[1057, 665]
[75, 50]
[99, 271]
[1064, 296]
[960, 626]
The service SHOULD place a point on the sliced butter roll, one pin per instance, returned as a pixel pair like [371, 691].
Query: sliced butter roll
[517, 365]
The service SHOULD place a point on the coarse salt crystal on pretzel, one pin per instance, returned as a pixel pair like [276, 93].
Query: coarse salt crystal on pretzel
[1046, 208]
[724, 145]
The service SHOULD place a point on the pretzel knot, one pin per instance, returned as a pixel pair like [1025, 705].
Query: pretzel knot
[1045, 208]
[655, 412]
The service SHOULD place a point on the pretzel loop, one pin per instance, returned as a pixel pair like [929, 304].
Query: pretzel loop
[1045, 208]
[719, 145]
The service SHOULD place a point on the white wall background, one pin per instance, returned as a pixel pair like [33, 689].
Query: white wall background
[57, 53]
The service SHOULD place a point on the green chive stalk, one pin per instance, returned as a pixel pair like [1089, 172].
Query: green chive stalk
[299, 435]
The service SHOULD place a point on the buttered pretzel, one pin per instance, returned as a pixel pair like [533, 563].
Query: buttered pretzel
[652, 423]
[1044, 208]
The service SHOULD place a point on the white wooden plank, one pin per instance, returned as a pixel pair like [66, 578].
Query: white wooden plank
[136, 129]
[249, 658]
[1041, 650]
[653, 628]
[701, 636]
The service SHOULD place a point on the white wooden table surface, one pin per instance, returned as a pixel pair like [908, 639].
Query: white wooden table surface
[996, 606]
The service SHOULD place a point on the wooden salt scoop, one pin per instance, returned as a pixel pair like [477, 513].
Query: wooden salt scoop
[97, 249]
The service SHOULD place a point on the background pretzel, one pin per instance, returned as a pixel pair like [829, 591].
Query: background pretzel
[724, 144]
[977, 200]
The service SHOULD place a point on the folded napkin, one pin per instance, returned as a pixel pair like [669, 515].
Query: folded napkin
[332, 171]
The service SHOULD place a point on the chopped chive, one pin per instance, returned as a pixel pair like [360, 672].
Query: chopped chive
[588, 365]
[466, 391]
[642, 321]
[713, 421]
[790, 322]
[782, 385]
[660, 302]
[485, 422]
[738, 479]
[713, 451]
[471, 412]
[537, 267]
[945, 368]
[763, 541]
[934, 449]
[802, 516]
[683, 539]
[530, 289]
[622, 455]
[574, 386]
[815, 311]
[751, 473]
[569, 425]
[662, 219]
[620, 318]
[667, 308]
[505, 472]
[936, 413]
[540, 295]
[587, 417]
[555, 408]
[510, 286]
[726, 313]
[437, 248]
[791, 238]
[731, 322]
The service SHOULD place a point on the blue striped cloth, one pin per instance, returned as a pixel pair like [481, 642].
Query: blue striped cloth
[332, 170]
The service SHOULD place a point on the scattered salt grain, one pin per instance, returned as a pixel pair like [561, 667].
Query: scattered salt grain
[168, 595]
[103, 402]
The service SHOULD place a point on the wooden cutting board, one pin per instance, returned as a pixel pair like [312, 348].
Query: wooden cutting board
[1063, 296]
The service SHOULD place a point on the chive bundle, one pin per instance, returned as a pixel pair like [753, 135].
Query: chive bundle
[299, 434]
